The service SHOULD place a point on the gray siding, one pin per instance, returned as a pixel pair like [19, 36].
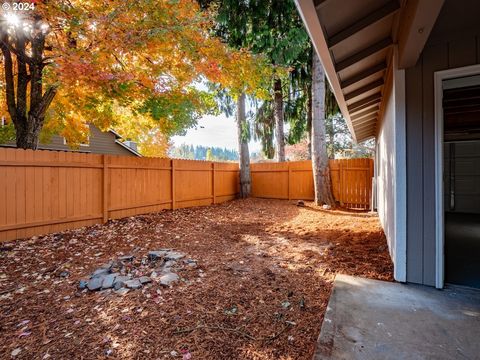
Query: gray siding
[386, 171]
[99, 143]
[454, 42]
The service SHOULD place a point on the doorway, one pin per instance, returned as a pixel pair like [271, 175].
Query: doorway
[461, 180]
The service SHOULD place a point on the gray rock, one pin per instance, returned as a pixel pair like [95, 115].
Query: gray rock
[169, 264]
[95, 283]
[168, 279]
[133, 284]
[100, 273]
[108, 265]
[122, 291]
[190, 262]
[144, 279]
[108, 281]
[82, 284]
[174, 255]
[126, 258]
[120, 281]
[64, 274]
[156, 255]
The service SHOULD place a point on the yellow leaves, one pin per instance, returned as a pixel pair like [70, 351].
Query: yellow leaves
[109, 58]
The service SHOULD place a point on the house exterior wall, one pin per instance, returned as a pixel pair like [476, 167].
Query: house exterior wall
[386, 170]
[454, 42]
[390, 176]
[99, 143]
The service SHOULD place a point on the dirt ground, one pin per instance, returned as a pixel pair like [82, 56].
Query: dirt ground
[264, 276]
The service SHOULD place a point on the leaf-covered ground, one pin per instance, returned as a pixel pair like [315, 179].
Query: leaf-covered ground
[264, 276]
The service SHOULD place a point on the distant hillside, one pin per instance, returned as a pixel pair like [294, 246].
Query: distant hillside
[203, 153]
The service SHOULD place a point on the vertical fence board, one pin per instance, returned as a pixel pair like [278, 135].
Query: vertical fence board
[351, 181]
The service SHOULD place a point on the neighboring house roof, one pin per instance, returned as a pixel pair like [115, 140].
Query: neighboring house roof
[101, 142]
[126, 146]
[355, 41]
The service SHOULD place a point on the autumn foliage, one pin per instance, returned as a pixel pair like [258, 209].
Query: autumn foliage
[134, 65]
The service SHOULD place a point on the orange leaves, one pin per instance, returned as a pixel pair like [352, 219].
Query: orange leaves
[110, 58]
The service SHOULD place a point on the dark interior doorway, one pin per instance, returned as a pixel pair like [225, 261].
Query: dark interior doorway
[462, 185]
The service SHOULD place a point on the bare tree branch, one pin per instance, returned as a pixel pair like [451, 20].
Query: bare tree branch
[46, 100]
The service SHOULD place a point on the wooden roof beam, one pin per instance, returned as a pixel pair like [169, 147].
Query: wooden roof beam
[362, 54]
[364, 103]
[366, 106]
[364, 113]
[369, 120]
[364, 74]
[388, 9]
[364, 89]
[362, 136]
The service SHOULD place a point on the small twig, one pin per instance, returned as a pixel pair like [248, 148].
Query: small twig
[275, 336]
[6, 248]
[7, 291]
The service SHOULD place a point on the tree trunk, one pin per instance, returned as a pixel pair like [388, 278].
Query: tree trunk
[27, 134]
[309, 120]
[278, 117]
[321, 170]
[243, 153]
[21, 69]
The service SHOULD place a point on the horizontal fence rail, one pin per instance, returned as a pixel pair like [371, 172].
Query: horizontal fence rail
[351, 181]
[48, 191]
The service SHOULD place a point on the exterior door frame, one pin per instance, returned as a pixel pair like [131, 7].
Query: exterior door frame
[439, 77]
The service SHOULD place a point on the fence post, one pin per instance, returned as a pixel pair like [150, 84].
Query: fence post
[173, 184]
[342, 181]
[213, 183]
[289, 182]
[105, 188]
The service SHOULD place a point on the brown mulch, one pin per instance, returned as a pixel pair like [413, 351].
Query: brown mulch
[265, 274]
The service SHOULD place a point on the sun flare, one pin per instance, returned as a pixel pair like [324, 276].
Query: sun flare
[12, 19]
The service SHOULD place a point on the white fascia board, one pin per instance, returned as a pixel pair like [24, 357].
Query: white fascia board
[400, 194]
[308, 13]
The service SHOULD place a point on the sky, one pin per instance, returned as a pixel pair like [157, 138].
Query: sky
[214, 131]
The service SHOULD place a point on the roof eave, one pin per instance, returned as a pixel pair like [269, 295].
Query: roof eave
[308, 13]
[128, 148]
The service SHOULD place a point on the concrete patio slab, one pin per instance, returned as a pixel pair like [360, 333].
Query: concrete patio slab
[371, 319]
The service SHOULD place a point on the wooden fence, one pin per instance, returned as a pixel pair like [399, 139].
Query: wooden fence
[351, 181]
[47, 191]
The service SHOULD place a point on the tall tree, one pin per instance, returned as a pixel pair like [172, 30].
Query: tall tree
[279, 119]
[320, 166]
[233, 24]
[70, 62]
[244, 155]
[272, 28]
